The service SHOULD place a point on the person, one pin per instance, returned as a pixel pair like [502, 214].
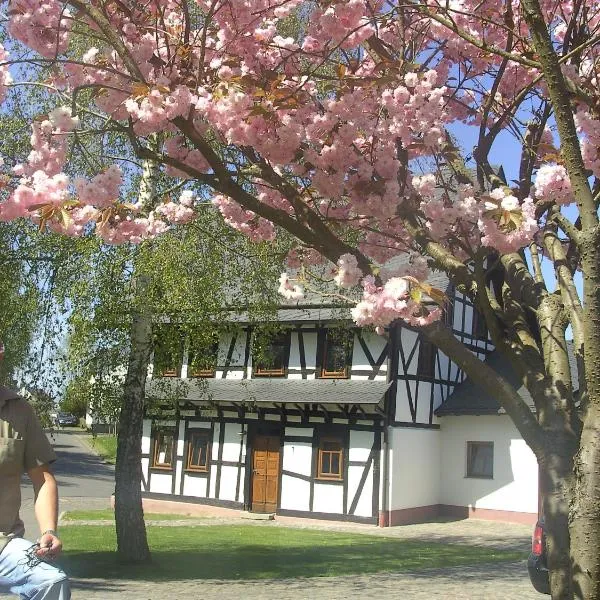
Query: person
[26, 568]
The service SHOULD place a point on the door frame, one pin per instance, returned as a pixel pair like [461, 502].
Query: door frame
[255, 430]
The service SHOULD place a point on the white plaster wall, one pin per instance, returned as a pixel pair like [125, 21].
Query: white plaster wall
[310, 352]
[237, 358]
[231, 442]
[295, 493]
[364, 508]
[414, 467]
[402, 405]
[361, 443]
[146, 432]
[294, 360]
[297, 458]
[228, 482]
[360, 362]
[199, 425]
[423, 401]
[214, 454]
[515, 483]
[160, 483]
[328, 498]
[145, 466]
[195, 486]
[408, 341]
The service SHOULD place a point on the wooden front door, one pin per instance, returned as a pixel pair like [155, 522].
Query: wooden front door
[265, 473]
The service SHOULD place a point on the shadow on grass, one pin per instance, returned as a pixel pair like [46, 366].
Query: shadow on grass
[238, 553]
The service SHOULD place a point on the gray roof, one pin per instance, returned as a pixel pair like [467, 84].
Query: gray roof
[469, 399]
[276, 391]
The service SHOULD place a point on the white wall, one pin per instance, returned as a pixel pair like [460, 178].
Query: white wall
[515, 483]
[297, 458]
[414, 467]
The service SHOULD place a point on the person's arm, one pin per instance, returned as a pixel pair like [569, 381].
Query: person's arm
[46, 510]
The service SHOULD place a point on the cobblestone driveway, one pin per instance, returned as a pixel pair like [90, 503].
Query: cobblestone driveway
[504, 581]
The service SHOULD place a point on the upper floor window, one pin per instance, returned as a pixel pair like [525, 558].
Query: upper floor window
[426, 364]
[163, 450]
[336, 353]
[202, 357]
[271, 355]
[480, 460]
[330, 459]
[168, 351]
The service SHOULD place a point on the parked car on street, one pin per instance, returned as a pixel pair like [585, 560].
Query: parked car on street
[66, 419]
[536, 563]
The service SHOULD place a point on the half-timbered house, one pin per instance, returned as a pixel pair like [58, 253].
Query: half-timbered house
[337, 423]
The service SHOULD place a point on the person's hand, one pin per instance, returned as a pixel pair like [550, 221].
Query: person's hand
[50, 546]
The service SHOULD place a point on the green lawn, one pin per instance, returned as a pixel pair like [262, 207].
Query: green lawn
[255, 552]
[106, 447]
[109, 515]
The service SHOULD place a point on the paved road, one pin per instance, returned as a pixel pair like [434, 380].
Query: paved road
[83, 479]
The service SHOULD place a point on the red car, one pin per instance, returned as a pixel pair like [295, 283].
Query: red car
[536, 563]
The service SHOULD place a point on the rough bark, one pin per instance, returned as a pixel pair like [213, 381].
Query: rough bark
[132, 545]
[585, 505]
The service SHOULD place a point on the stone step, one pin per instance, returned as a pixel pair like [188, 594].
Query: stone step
[252, 516]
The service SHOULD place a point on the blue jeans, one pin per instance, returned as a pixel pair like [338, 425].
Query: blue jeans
[30, 579]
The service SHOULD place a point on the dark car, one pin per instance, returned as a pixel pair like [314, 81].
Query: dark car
[67, 419]
[536, 563]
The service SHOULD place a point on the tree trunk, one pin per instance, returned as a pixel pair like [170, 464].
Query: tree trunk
[585, 505]
[132, 545]
[556, 474]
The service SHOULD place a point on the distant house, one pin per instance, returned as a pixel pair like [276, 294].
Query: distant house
[340, 424]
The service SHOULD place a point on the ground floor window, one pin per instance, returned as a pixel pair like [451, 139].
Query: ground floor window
[164, 445]
[198, 450]
[480, 459]
[330, 460]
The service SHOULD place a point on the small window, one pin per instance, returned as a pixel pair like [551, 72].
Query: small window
[273, 360]
[480, 330]
[426, 364]
[480, 460]
[164, 446]
[202, 358]
[168, 352]
[336, 354]
[198, 450]
[331, 458]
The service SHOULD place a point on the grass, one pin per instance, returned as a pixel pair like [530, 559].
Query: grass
[233, 552]
[106, 447]
[109, 515]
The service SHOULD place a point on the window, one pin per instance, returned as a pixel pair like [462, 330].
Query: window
[330, 463]
[426, 364]
[272, 361]
[480, 460]
[164, 445]
[336, 352]
[168, 352]
[198, 450]
[202, 357]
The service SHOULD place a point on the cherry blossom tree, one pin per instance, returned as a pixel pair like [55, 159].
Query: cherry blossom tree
[337, 121]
